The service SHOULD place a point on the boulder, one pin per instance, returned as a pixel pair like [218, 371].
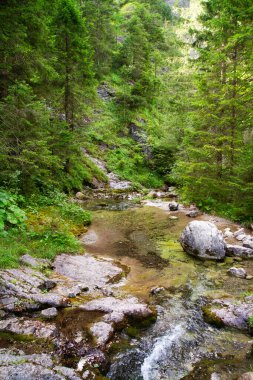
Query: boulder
[49, 313]
[239, 251]
[203, 240]
[232, 313]
[173, 206]
[237, 272]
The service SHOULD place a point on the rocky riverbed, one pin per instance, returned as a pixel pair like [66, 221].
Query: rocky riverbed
[135, 306]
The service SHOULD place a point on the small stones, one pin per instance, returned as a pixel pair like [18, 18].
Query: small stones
[239, 232]
[249, 277]
[49, 313]
[173, 217]
[237, 272]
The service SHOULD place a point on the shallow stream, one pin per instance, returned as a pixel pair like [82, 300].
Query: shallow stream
[180, 344]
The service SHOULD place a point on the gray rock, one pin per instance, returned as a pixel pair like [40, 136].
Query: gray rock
[103, 332]
[203, 240]
[129, 307]
[88, 269]
[22, 289]
[246, 376]
[237, 272]
[228, 233]
[49, 313]
[28, 327]
[248, 242]
[18, 366]
[239, 232]
[238, 250]
[173, 206]
[231, 313]
[241, 237]
[93, 358]
[34, 262]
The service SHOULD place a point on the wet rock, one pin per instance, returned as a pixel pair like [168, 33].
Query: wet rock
[238, 250]
[22, 289]
[203, 240]
[88, 269]
[237, 272]
[49, 313]
[173, 206]
[28, 327]
[229, 313]
[18, 366]
[246, 376]
[95, 357]
[33, 262]
[129, 307]
[103, 332]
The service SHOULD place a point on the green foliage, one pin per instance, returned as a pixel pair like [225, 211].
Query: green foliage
[214, 165]
[11, 214]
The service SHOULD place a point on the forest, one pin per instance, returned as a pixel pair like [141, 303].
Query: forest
[126, 189]
[114, 79]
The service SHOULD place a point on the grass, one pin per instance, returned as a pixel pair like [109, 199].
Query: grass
[48, 231]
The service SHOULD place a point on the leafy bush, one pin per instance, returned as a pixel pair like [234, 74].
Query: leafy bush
[75, 213]
[11, 214]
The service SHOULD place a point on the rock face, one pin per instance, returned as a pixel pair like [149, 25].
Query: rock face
[18, 366]
[239, 251]
[203, 240]
[22, 289]
[129, 307]
[91, 271]
[231, 313]
[28, 327]
[237, 272]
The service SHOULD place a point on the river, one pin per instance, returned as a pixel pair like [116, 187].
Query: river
[180, 345]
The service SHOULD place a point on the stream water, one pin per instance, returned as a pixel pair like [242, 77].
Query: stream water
[180, 345]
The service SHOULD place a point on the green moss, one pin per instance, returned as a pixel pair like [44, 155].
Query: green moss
[122, 345]
[211, 318]
[132, 331]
